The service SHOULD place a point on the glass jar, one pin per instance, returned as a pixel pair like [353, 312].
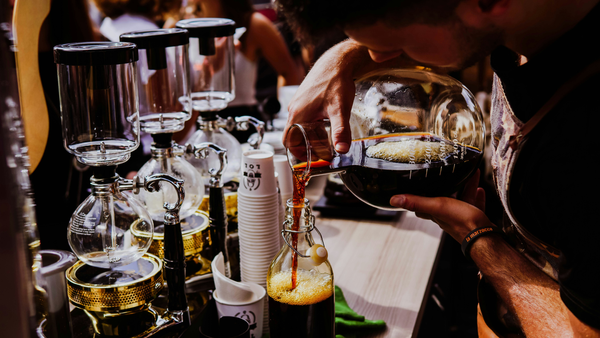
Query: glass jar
[162, 79]
[300, 283]
[211, 54]
[98, 100]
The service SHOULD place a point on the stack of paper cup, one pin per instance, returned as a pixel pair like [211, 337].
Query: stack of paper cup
[258, 217]
[286, 183]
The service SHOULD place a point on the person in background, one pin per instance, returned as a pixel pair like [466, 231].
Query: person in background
[260, 38]
[59, 182]
[539, 272]
[134, 15]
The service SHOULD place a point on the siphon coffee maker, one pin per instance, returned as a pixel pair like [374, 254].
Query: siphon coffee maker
[165, 106]
[115, 279]
[211, 56]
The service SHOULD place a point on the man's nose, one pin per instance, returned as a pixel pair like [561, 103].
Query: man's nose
[384, 56]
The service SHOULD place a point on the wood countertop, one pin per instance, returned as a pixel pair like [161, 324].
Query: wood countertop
[383, 267]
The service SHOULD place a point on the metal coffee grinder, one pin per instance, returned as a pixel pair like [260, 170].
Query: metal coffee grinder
[115, 279]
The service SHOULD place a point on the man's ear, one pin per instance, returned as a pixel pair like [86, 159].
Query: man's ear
[493, 7]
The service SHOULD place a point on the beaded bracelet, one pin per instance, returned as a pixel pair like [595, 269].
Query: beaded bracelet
[476, 233]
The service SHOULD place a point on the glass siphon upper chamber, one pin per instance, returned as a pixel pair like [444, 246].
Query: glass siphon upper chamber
[98, 100]
[162, 79]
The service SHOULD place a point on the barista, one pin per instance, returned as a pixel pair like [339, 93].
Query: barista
[543, 272]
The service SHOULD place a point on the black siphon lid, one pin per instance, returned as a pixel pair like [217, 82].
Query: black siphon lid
[95, 53]
[160, 38]
[208, 27]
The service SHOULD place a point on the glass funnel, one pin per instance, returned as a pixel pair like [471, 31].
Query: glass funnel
[98, 100]
[211, 53]
[162, 77]
[413, 132]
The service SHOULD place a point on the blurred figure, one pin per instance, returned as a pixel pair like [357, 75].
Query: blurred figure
[134, 15]
[256, 37]
[59, 182]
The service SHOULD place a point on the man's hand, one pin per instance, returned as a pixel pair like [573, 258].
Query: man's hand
[455, 216]
[526, 291]
[328, 92]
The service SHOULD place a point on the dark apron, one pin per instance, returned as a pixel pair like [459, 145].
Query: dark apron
[509, 135]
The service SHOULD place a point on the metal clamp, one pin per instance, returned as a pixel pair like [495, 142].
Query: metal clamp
[285, 231]
[151, 183]
[201, 151]
[243, 122]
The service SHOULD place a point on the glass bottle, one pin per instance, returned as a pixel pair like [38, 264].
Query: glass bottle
[300, 283]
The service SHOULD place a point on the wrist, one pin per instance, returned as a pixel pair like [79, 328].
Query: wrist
[478, 234]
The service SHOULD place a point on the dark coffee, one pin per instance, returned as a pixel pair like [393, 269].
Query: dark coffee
[307, 311]
[377, 168]
[422, 165]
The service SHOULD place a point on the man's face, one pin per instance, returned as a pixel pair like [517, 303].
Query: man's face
[451, 46]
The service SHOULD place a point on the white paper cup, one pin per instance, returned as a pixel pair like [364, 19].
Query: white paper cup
[282, 167]
[253, 312]
[257, 174]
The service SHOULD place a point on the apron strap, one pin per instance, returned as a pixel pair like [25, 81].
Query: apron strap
[566, 88]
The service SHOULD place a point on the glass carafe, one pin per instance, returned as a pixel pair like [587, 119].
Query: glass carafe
[209, 130]
[413, 132]
[300, 284]
[110, 228]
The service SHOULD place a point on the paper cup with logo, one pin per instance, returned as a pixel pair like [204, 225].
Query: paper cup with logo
[257, 177]
[286, 181]
[252, 311]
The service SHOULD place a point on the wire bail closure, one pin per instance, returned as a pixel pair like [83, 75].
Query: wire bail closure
[286, 231]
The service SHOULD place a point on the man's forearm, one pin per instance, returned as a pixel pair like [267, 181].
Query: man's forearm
[526, 291]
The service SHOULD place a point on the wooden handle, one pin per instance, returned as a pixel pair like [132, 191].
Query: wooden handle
[28, 17]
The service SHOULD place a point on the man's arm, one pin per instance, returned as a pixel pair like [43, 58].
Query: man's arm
[528, 293]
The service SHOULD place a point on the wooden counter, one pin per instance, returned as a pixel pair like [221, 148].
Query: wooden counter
[383, 267]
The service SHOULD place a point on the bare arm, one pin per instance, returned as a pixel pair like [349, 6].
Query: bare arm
[271, 45]
[529, 293]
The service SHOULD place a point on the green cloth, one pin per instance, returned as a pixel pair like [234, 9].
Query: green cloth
[349, 324]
